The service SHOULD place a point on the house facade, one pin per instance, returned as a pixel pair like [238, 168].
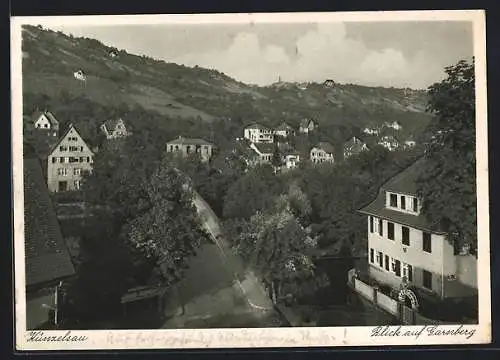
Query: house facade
[264, 152]
[307, 125]
[394, 125]
[69, 159]
[284, 130]
[403, 246]
[322, 152]
[354, 146]
[291, 161]
[258, 133]
[47, 260]
[114, 129]
[187, 146]
[47, 123]
[389, 142]
[371, 131]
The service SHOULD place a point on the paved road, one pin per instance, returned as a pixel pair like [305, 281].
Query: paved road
[250, 287]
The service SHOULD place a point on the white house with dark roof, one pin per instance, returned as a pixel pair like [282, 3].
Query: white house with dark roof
[69, 159]
[322, 152]
[264, 151]
[307, 125]
[284, 130]
[47, 260]
[389, 142]
[405, 247]
[187, 146]
[46, 122]
[258, 133]
[354, 146]
[114, 129]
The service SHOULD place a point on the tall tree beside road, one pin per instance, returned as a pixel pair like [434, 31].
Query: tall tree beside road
[170, 231]
[448, 186]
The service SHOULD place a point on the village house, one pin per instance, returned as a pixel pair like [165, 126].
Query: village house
[389, 142]
[114, 129]
[258, 133]
[371, 131]
[47, 260]
[291, 160]
[307, 125]
[322, 152]
[69, 159]
[404, 247]
[79, 75]
[409, 144]
[45, 122]
[329, 83]
[187, 146]
[394, 125]
[284, 130]
[354, 146]
[264, 151]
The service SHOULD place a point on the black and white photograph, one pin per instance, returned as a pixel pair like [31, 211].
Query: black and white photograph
[250, 180]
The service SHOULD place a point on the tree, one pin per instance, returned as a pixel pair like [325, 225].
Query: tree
[169, 231]
[447, 184]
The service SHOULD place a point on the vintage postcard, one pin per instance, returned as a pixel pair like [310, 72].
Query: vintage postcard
[250, 180]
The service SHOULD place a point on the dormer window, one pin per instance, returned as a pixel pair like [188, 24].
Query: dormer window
[403, 202]
[415, 204]
[393, 200]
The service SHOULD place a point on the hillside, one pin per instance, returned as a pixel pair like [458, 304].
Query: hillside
[178, 92]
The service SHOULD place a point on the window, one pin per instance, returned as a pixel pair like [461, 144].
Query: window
[415, 204]
[403, 202]
[397, 267]
[381, 227]
[410, 273]
[88, 159]
[387, 262]
[54, 160]
[62, 148]
[371, 224]
[77, 171]
[406, 235]
[426, 242]
[62, 160]
[62, 171]
[77, 184]
[390, 230]
[427, 279]
[73, 159]
[380, 259]
[371, 256]
[82, 159]
[394, 200]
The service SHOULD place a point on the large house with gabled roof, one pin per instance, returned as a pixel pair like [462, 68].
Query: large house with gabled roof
[405, 247]
[284, 130]
[258, 133]
[354, 146]
[188, 146]
[307, 126]
[114, 129]
[322, 152]
[47, 260]
[46, 122]
[69, 159]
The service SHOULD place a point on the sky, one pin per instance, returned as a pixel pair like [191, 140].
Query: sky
[398, 54]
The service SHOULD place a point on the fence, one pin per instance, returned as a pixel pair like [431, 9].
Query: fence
[405, 315]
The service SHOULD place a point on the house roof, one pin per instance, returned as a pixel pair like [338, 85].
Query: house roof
[46, 255]
[326, 146]
[189, 141]
[305, 122]
[256, 126]
[353, 145]
[52, 119]
[71, 126]
[265, 148]
[111, 123]
[404, 182]
[283, 127]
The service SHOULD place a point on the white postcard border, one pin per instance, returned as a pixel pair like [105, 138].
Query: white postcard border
[261, 337]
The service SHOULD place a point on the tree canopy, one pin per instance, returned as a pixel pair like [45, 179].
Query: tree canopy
[448, 184]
